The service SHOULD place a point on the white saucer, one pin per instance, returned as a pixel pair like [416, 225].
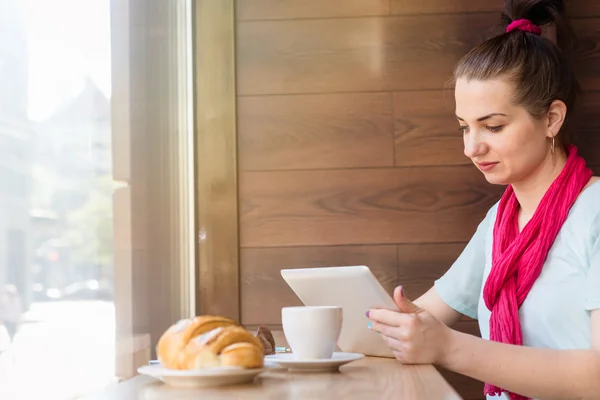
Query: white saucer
[204, 377]
[338, 359]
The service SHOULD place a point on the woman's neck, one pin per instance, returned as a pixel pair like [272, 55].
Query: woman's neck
[531, 190]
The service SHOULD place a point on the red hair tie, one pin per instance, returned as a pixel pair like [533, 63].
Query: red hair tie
[524, 25]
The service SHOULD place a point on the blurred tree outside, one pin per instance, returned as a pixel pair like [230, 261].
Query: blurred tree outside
[89, 231]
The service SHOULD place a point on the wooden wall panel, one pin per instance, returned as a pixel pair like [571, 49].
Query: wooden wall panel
[468, 388]
[374, 54]
[315, 131]
[425, 129]
[286, 9]
[421, 264]
[575, 8]
[587, 62]
[348, 149]
[374, 206]
[583, 8]
[418, 266]
[248, 10]
[407, 7]
[261, 266]
[586, 127]
[354, 54]
[415, 267]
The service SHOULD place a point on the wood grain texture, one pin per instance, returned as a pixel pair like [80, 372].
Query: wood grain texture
[373, 54]
[315, 131]
[426, 131]
[293, 9]
[466, 387]
[368, 378]
[264, 292]
[408, 7]
[575, 8]
[468, 325]
[587, 52]
[582, 8]
[586, 127]
[247, 10]
[419, 265]
[355, 54]
[216, 155]
[362, 206]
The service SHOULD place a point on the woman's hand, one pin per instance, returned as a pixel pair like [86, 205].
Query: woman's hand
[414, 335]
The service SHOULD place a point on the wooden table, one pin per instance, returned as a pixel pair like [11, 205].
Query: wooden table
[369, 378]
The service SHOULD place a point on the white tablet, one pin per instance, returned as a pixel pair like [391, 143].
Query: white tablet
[356, 290]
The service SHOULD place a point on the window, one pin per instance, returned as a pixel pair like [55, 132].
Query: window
[96, 189]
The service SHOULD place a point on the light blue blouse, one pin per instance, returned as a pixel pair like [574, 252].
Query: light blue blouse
[556, 313]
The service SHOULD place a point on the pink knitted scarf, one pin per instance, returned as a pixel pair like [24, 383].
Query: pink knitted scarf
[518, 258]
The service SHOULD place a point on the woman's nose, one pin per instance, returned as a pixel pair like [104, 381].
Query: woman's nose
[473, 145]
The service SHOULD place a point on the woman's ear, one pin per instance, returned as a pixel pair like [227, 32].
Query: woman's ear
[557, 113]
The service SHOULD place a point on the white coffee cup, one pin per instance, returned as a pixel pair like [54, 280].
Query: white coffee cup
[312, 332]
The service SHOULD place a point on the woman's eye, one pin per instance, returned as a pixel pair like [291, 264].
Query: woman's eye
[495, 128]
[463, 129]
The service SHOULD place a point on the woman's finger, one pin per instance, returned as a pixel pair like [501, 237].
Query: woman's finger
[393, 343]
[398, 332]
[388, 317]
[383, 329]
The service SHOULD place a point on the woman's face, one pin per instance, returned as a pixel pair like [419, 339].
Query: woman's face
[503, 140]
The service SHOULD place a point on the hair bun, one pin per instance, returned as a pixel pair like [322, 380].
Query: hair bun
[541, 13]
[524, 25]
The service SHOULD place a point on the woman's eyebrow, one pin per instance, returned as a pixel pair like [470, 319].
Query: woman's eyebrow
[484, 117]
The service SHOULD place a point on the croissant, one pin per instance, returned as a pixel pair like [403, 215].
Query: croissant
[209, 341]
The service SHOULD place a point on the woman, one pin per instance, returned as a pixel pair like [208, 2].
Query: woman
[531, 272]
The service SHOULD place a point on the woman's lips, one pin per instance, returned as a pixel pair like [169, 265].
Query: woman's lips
[486, 166]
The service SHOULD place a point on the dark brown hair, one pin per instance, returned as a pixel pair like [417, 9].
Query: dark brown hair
[539, 69]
